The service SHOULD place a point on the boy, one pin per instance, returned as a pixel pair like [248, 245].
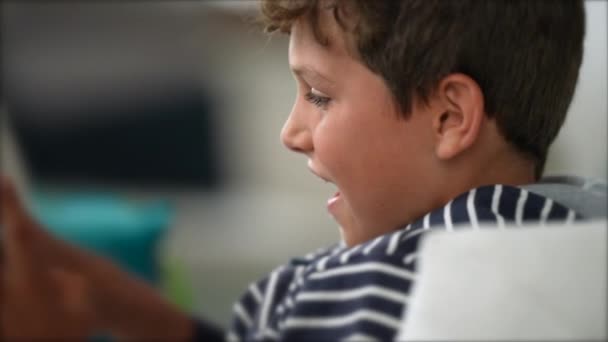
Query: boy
[424, 114]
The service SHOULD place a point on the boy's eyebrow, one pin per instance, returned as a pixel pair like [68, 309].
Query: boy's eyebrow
[307, 73]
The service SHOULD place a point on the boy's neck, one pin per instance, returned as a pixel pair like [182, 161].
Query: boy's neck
[496, 161]
[503, 165]
[512, 171]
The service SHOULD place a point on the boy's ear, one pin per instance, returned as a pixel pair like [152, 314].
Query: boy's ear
[457, 124]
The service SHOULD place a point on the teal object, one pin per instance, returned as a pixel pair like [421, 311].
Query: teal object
[126, 232]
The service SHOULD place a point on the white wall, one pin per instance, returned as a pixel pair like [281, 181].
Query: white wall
[580, 148]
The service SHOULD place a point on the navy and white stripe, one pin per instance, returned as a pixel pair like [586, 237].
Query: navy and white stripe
[360, 293]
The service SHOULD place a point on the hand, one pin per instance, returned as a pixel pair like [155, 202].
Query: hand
[38, 297]
[54, 290]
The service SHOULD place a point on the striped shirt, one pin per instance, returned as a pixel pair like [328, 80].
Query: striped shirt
[361, 293]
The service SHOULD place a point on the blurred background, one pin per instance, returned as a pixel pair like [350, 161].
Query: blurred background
[149, 133]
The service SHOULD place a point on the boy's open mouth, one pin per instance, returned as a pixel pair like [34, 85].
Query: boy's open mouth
[332, 201]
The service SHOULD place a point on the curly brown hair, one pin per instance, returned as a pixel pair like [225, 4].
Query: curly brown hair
[525, 55]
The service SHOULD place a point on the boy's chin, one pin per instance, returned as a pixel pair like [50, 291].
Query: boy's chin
[351, 230]
[350, 234]
[345, 222]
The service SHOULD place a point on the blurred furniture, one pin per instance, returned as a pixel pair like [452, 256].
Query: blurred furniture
[109, 93]
[533, 283]
[586, 196]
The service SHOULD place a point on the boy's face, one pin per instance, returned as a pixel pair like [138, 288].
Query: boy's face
[346, 122]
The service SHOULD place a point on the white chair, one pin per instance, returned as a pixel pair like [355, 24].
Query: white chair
[535, 283]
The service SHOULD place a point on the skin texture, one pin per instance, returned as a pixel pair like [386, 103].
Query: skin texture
[388, 170]
[52, 290]
[35, 294]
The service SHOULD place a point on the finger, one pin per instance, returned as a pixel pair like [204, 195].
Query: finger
[72, 292]
[26, 240]
[16, 234]
[1, 290]
[13, 212]
[22, 232]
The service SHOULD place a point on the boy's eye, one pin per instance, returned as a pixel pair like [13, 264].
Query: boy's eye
[317, 100]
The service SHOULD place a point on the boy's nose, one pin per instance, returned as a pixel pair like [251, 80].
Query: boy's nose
[296, 135]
